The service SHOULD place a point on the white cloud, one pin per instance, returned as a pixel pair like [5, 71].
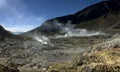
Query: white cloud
[3, 3]
[19, 29]
[16, 17]
[23, 24]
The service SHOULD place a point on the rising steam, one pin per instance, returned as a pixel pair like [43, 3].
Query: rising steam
[79, 32]
[42, 39]
[39, 37]
[66, 30]
[69, 30]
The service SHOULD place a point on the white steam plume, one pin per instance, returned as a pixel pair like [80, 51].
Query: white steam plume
[69, 30]
[41, 39]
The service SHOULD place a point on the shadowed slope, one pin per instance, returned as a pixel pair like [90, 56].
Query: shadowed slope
[103, 16]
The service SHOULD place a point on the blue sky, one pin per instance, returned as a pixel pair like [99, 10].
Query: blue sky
[24, 15]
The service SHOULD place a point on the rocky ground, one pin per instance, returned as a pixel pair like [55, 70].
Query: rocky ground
[75, 54]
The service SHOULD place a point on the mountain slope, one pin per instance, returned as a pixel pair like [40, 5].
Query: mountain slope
[4, 33]
[103, 16]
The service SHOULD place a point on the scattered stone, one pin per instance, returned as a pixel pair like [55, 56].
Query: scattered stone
[44, 69]
[8, 69]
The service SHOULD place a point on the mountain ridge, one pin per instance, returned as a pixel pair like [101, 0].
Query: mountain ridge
[103, 16]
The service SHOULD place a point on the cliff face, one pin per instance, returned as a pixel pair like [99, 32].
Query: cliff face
[103, 16]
